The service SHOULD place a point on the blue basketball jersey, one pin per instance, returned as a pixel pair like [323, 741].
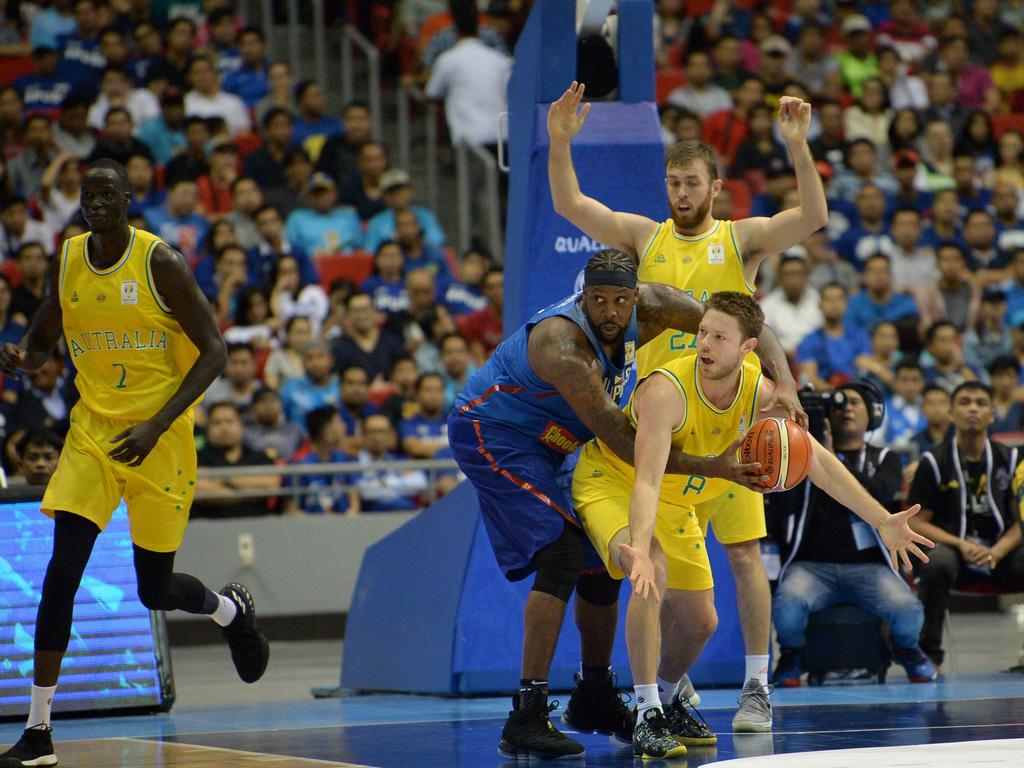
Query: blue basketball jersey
[507, 391]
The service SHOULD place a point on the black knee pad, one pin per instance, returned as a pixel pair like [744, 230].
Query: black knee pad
[598, 588]
[558, 564]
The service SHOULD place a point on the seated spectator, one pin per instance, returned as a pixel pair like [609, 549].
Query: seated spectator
[935, 405]
[978, 142]
[266, 164]
[38, 452]
[238, 384]
[942, 359]
[912, 264]
[285, 362]
[988, 266]
[311, 119]
[811, 63]
[989, 337]
[791, 309]
[385, 490]
[269, 432]
[117, 142]
[46, 89]
[879, 366]
[225, 447]
[316, 388]
[354, 405]
[878, 301]
[937, 154]
[1006, 207]
[253, 323]
[46, 398]
[324, 227]
[401, 404]
[969, 510]
[972, 196]
[830, 146]
[59, 191]
[173, 64]
[417, 252]
[365, 344]
[457, 367]
[190, 162]
[903, 416]
[1010, 157]
[49, 24]
[463, 296]
[386, 286]
[860, 160]
[328, 493]
[142, 185]
[207, 99]
[727, 58]
[835, 558]
[905, 165]
[700, 96]
[178, 222]
[215, 198]
[219, 34]
[826, 266]
[282, 91]
[760, 152]
[272, 246]
[726, 130]
[364, 191]
[33, 261]
[1008, 411]
[870, 117]
[944, 226]
[26, 169]
[953, 296]
[426, 433]
[869, 234]
[81, 59]
[246, 200]
[16, 228]
[827, 356]
[396, 187]
[225, 284]
[857, 63]
[72, 132]
[339, 157]
[249, 81]
[905, 91]
[164, 134]
[116, 91]
[974, 86]
[483, 329]
[291, 296]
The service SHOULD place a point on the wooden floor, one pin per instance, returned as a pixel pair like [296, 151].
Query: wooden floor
[140, 753]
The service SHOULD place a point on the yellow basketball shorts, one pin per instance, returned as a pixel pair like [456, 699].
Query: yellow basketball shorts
[601, 498]
[737, 515]
[158, 492]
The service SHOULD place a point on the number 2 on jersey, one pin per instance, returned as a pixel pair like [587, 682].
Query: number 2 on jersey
[122, 382]
[678, 341]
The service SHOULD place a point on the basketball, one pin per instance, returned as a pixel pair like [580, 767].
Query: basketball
[782, 447]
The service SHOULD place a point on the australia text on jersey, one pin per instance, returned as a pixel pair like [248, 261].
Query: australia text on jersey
[106, 341]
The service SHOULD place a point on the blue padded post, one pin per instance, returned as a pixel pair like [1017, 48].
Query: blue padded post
[636, 67]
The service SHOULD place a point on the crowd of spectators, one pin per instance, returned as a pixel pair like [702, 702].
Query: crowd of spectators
[350, 321]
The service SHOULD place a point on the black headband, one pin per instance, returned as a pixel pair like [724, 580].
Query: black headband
[616, 277]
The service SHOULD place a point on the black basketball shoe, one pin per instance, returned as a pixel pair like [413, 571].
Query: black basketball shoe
[528, 732]
[598, 708]
[687, 725]
[34, 748]
[250, 650]
[653, 739]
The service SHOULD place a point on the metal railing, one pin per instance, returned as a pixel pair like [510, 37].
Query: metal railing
[297, 50]
[429, 111]
[487, 197]
[351, 40]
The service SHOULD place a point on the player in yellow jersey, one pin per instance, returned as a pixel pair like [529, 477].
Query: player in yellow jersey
[693, 252]
[642, 521]
[146, 346]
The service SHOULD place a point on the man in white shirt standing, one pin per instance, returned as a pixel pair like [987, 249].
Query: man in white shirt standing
[792, 309]
[206, 99]
[472, 79]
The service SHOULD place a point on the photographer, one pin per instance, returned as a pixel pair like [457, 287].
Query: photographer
[968, 508]
[830, 556]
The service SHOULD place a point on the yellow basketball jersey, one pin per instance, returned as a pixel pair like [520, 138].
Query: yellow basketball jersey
[698, 265]
[704, 431]
[129, 351]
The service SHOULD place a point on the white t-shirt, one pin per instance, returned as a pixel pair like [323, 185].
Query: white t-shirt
[225, 105]
[140, 103]
[792, 322]
[472, 79]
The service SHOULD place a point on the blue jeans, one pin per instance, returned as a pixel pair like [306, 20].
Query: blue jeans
[808, 587]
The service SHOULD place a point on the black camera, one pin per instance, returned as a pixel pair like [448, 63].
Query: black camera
[819, 405]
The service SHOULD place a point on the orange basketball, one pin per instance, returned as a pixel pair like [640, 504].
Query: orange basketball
[784, 449]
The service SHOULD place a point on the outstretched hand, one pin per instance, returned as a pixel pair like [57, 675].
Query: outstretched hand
[565, 117]
[900, 538]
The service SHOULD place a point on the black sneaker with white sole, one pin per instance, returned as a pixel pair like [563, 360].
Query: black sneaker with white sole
[34, 748]
[250, 650]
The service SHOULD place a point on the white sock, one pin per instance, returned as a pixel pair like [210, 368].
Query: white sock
[757, 667]
[668, 690]
[39, 709]
[226, 611]
[646, 698]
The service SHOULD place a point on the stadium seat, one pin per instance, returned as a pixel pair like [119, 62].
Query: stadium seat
[13, 67]
[666, 81]
[355, 266]
[741, 197]
[1003, 123]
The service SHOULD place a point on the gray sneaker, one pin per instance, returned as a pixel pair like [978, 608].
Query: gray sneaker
[755, 712]
[687, 692]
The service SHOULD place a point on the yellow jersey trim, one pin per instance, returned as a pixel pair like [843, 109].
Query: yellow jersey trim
[117, 265]
[739, 255]
[647, 249]
[678, 385]
[703, 399]
[149, 279]
[63, 266]
[754, 399]
[698, 238]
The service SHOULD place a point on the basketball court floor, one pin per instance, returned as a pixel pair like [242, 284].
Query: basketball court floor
[974, 716]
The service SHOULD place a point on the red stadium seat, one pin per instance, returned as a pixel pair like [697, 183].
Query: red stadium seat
[355, 266]
[666, 81]
[1003, 123]
[13, 67]
[741, 197]
[247, 143]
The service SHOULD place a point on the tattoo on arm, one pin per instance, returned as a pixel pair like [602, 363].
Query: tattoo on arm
[662, 307]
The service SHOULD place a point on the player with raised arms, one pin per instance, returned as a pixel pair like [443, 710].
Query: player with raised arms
[694, 252]
[643, 523]
[547, 389]
[146, 347]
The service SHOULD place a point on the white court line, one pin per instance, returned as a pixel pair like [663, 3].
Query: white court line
[995, 753]
[311, 760]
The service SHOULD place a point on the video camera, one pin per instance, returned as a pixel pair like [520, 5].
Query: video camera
[819, 405]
